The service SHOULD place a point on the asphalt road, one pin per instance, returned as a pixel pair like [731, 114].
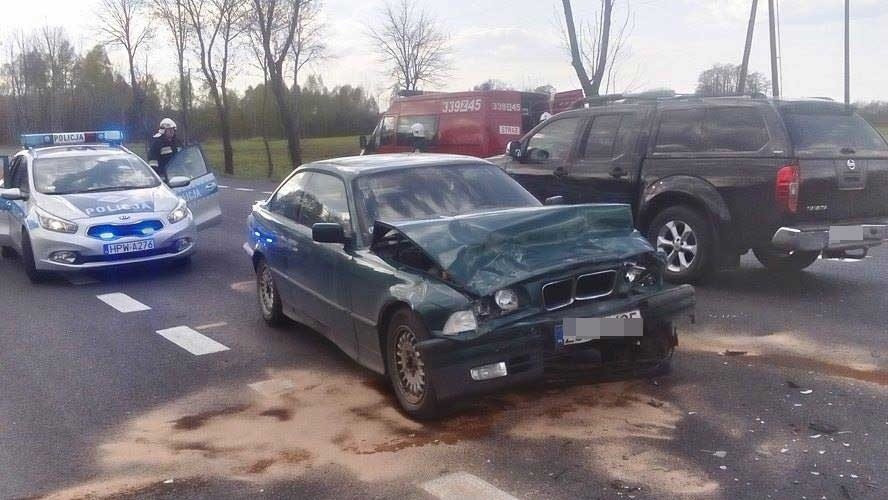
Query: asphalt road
[779, 391]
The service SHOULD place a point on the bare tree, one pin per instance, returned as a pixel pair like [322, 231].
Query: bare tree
[125, 23]
[276, 24]
[216, 25]
[60, 57]
[262, 64]
[174, 15]
[409, 41]
[308, 44]
[595, 51]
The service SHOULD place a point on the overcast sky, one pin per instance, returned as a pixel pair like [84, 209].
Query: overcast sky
[519, 41]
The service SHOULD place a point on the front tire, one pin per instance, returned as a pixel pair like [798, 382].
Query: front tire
[784, 262]
[406, 369]
[688, 239]
[35, 275]
[269, 298]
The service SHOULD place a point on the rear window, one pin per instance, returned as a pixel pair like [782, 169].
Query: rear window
[830, 129]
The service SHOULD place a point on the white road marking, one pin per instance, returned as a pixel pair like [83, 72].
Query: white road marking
[267, 192]
[244, 189]
[191, 340]
[273, 387]
[81, 279]
[464, 486]
[220, 186]
[123, 302]
[211, 325]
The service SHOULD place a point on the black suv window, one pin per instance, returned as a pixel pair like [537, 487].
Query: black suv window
[815, 127]
[734, 130]
[556, 138]
[602, 135]
[324, 200]
[287, 199]
[681, 131]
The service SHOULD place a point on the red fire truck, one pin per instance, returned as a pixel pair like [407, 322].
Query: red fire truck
[477, 123]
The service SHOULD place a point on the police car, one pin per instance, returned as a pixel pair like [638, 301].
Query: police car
[75, 201]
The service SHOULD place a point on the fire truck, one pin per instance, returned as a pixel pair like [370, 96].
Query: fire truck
[477, 123]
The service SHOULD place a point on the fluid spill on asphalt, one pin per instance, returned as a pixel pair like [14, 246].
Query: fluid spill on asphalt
[351, 422]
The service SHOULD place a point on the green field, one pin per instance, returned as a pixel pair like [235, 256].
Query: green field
[884, 131]
[250, 160]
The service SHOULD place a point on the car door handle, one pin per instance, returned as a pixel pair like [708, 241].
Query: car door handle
[618, 172]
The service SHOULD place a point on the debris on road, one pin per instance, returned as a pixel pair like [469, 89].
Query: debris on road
[728, 352]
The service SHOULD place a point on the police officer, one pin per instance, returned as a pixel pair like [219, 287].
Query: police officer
[164, 145]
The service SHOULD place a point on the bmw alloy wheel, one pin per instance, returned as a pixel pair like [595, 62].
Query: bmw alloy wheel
[411, 369]
[679, 241]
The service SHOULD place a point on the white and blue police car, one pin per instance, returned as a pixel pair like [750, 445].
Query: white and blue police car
[80, 200]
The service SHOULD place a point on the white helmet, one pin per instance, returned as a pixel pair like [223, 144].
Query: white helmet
[418, 130]
[167, 123]
[545, 116]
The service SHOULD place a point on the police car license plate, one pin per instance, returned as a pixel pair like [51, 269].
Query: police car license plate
[129, 247]
[582, 330]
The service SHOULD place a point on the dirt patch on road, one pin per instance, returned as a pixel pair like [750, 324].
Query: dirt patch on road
[329, 419]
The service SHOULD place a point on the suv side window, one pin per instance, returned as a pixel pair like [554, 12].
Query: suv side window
[20, 174]
[287, 199]
[324, 200]
[680, 131]
[556, 138]
[602, 136]
[735, 130]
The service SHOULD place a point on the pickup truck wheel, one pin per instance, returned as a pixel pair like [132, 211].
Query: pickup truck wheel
[407, 371]
[783, 261]
[269, 299]
[688, 239]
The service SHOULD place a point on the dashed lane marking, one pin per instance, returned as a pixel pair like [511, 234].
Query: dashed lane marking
[267, 192]
[272, 387]
[220, 186]
[191, 340]
[248, 190]
[123, 302]
[464, 486]
[211, 326]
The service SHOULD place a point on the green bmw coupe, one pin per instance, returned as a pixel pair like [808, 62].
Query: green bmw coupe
[445, 275]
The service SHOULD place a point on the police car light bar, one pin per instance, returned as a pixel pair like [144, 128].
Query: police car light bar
[72, 138]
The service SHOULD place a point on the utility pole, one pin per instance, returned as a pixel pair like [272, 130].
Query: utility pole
[848, 53]
[775, 76]
[744, 67]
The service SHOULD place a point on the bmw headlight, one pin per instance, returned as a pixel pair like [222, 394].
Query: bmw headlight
[506, 300]
[460, 322]
[52, 223]
[179, 213]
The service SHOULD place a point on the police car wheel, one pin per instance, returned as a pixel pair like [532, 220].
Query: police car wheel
[269, 299]
[7, 252]
[31, 270]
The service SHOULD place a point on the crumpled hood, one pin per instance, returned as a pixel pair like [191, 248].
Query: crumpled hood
[90, 205]
[485, 252]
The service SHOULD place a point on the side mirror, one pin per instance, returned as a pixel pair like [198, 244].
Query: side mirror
[363, 141]
[327, 232]
[13, 194]
[554, 200]
[178, 181]
[536, 155]
[513, 149]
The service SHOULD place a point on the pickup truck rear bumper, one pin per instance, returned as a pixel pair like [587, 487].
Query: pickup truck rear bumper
[831, 238]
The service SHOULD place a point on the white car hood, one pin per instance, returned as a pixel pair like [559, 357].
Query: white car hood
[89, 205]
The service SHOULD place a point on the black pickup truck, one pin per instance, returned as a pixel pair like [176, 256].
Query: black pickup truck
[711, 178]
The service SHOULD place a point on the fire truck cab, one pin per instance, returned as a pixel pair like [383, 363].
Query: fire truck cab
[479, 123]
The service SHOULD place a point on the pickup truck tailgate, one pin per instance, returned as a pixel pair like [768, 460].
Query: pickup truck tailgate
[843, 163]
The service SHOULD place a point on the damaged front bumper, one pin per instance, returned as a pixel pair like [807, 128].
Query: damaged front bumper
[520, 352]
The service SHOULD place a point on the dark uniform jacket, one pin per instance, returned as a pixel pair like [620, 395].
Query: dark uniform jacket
[162, 151]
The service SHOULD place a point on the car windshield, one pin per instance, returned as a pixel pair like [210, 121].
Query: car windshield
[428, 192]
[91, 174]
[829, 129]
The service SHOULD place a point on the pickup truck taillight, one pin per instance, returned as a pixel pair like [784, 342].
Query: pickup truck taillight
[787, 190]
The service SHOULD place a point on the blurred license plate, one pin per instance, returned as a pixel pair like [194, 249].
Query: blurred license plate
[842, 234]
[580, 330]
[129, 247]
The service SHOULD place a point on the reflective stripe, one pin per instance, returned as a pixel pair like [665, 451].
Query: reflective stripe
[152, 163]
[166, 150]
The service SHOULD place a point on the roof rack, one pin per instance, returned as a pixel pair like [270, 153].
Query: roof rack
[653, 96]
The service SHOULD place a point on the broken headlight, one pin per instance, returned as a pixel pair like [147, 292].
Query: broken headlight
[643, 275]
